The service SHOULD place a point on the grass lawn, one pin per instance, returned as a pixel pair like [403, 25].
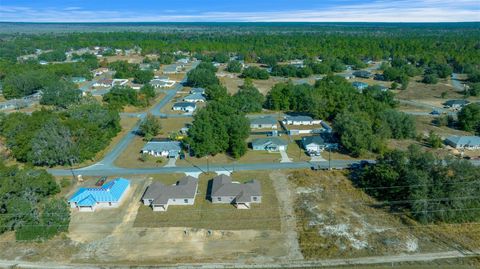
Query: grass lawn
[205, 215]
[424, 126]
[130, 157]
[173, 125]
[296, 152]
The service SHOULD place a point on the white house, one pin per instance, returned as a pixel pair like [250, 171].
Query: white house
[168, 149]
[300, 120]
[194, 98]
[184, 106]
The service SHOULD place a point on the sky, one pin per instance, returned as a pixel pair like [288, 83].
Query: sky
[239, 11]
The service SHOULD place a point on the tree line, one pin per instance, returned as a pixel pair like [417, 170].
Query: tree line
[28, 205]
[428, 188]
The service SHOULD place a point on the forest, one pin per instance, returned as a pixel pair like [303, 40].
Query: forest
[426, 187]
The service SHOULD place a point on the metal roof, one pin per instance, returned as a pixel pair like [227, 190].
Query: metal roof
[194, 96]
[298, 118]
[109, 192]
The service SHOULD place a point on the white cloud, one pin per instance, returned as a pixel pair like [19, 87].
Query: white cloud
[375, 11]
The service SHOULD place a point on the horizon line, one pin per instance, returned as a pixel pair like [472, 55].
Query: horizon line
[246, 22]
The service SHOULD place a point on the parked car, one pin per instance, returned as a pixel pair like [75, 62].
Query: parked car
[101, 181]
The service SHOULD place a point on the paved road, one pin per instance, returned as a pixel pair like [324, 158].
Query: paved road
[110, 170]
[426, 106]
[110, 157]
[391, 259]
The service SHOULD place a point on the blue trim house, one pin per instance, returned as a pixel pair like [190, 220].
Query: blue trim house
[106, 196]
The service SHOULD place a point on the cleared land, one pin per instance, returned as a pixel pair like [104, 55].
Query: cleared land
[206, 215]
[337, 220]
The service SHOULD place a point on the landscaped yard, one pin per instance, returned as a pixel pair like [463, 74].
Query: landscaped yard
[204, 214]
[130, 157]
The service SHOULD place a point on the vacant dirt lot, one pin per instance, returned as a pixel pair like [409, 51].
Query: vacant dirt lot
[335, 219]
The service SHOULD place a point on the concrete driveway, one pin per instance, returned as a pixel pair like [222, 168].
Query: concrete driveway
[285, 158]
[171, 162]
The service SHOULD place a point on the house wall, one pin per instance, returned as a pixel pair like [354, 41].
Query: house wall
[314, 148]
[222, 199]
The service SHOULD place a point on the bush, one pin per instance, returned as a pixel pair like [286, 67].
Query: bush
[255, 73]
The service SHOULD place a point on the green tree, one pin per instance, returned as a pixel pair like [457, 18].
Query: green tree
[234, 66]
[149, 127]
[255, 73]
[469, 118]
[120, 96]
[248, 99]
[143, 76]
[430, 79]
[60, 94]
[434, 140]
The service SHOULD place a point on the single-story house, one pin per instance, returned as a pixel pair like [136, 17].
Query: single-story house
[171, 69]
[184, 106]
[194, 97]
[300, 120]
[267, 122]
[168, 149]
[160, 196]
[360, 86]
[463, 142]
[326, 127]
[313, 145]
[119, 82]
[78, 79]
[456, 104]
[99, 71]
[103, 82]
[107, 196]
[145, 66]
[162, 83]
[226, 191]
[362, 74]
[183, 61]
[197, 90]
[346, 76]
[269, 144]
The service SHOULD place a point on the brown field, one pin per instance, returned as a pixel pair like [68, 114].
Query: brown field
[335, 219]
[135, 58]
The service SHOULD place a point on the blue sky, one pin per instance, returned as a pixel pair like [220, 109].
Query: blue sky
[240, 10]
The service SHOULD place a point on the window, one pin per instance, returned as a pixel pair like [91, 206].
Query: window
[186, 201]
[219, 199]
[255, 198]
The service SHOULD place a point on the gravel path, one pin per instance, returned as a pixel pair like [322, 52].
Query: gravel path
[287, 214]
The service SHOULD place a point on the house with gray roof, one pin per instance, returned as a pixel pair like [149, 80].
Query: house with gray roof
[171, 69]
[456, 104]
[184, 106]
[226, 191]
[463, 142]
[314, 145]
[197, 90]
[360, 86]
[168, 149]
[300, 120]
[267, 122]
[159, 196]
[271, 144]
[362, 74]
[194, 98]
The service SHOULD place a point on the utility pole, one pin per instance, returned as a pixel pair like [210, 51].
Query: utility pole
[329, 158]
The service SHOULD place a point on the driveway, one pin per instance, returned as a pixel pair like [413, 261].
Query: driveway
[317, 159]
[285, 158]
[171, 162]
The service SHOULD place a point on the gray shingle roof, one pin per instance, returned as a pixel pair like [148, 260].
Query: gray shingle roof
[268, 141]
[185, 104]
[160, 193]
[194, 96]
[222, 186]
[464, 140]
[313, 139]
[460, 102]
[197, 90]
[264, 120]
[159, 146]
[298, 118]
